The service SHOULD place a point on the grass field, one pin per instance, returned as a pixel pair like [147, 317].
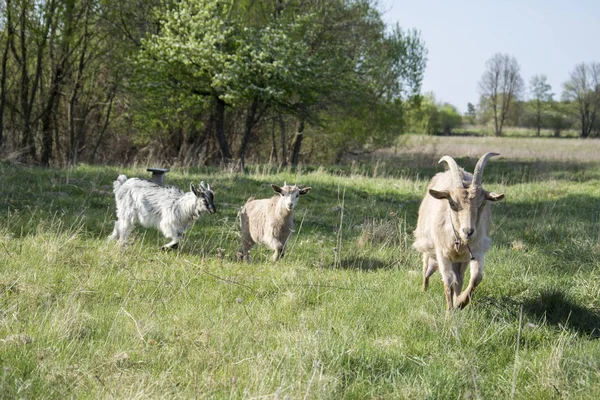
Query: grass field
[512, 131]
[342, 316]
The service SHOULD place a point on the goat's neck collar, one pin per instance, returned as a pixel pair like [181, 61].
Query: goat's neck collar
[457, 241]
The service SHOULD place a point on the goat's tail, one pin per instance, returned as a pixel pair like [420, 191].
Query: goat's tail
[251, 198]
[120, 180]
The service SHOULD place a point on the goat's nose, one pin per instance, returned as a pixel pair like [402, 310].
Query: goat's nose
[469, 231]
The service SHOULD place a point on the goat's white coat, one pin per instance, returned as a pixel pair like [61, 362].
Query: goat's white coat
[439, 228]
[269, 221]
[167, 209]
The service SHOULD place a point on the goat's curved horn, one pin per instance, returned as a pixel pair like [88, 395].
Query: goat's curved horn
[456, 175]
[208, 186]
[202, 185]
[478, 173]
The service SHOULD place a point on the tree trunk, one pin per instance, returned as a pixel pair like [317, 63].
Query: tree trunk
[283, 145]
[273, 146]
[47, 118]
[298, 144]
[26, 138]
[3, 72]
[111, 98]
[220, 130]
[538, 120]
[28, 97]
[585, 124]
[497, 128]
[76, 139]
[250, 122]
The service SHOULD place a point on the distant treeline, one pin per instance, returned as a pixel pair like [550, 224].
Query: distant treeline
[202, 81]
[506, 101]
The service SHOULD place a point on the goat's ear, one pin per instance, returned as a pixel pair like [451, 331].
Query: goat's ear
[277, 189]
[439, 194]
[305, 190]
[494, 196]
[195, 191]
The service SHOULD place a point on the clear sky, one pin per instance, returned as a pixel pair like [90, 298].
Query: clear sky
[546, 37]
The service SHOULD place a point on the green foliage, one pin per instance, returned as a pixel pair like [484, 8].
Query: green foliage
[449, 118]
[320, 62]
[430, 118]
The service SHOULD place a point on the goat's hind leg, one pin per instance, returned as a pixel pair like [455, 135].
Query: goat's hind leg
[429, 267]
[115, 233]
[123, 227]
[244, 252]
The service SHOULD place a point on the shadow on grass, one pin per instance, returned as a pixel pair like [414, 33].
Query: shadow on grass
[362, 263]
[551, 306]
[556, 309]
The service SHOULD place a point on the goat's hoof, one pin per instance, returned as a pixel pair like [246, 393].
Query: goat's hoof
[170, 248]
[462, 304]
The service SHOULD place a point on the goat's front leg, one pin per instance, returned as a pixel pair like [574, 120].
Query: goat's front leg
[173, 244]
[474, 280]
[450, 280]
[459, 272]
[279, 250]
[277, 254]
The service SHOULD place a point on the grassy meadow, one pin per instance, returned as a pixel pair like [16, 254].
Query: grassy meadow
[341, 316]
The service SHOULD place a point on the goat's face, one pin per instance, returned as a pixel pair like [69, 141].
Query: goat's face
[205, 198]
[466, 207]
[290, 195]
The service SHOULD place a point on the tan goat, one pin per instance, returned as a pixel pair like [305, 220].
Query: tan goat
[452, 229]
[269, 221]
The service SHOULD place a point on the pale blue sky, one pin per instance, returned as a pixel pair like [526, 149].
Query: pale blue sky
[546, 37]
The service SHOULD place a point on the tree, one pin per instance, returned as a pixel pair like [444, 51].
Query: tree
[200, 81]
[423, 115]
[471, 113]
[541, 92]
[558, 117]
[449, 118]
[309, 60]
[500, 85]
[428, 117]
[583, 90]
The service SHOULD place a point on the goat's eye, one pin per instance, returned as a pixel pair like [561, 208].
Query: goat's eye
[453, 205]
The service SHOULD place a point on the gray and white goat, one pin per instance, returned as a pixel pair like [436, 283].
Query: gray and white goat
[166, 208]
[452, 229]
[269, 221]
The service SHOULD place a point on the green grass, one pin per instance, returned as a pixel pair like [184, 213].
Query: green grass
[342, 316]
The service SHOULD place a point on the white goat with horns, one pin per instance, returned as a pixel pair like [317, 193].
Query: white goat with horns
[166, 208]
[452, 229]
